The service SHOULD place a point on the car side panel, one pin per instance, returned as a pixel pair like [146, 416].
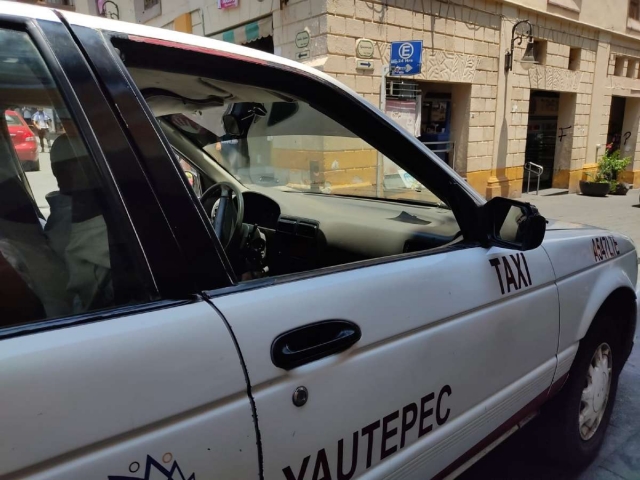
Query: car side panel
[589, 266]
[427, 322]
[103, 395]
[479, 422]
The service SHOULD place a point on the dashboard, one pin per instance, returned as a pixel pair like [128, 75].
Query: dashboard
[260, 210]
[308, 230]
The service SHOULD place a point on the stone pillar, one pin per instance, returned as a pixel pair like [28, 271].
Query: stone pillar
[499, 182]
[599, 113]
[460, 105]
[631, 123]
[564, 140]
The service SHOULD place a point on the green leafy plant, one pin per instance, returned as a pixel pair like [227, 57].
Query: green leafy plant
[609, 166]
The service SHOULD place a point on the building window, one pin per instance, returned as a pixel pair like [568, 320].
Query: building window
[540, 51]
[619, 68]
[575, 55]
[634, 9]
[62, 4]
[571, 5]
[145, 10]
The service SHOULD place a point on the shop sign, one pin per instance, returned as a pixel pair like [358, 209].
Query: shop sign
[364, 48]
[228, 3]
[302, 39]
[404, 112]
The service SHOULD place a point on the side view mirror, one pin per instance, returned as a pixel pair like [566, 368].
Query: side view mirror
[513, 224]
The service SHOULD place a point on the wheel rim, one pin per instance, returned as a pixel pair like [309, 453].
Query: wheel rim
[595, 394]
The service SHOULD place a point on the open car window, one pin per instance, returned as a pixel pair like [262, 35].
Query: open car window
[290, 145]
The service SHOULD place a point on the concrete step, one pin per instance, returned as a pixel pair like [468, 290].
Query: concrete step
[549, 192]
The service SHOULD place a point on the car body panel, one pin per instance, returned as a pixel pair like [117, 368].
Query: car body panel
[121, 384]
[413, 343]
[180, 381]
[18, 9]
[589, 264]
[24, 140]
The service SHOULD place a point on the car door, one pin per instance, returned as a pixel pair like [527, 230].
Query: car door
[437, 349]
[448, 353]
[111, 365]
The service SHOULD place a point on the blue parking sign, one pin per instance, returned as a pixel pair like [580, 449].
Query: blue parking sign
[406, 57]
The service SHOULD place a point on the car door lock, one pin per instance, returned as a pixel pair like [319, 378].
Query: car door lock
[300, 396]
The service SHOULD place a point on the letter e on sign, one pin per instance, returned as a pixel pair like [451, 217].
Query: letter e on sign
[406, 51]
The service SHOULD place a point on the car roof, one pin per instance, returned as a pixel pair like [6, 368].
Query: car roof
[183, 40]
[177, 39]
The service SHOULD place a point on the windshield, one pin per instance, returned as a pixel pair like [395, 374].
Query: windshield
[292, 146]
[12, 120]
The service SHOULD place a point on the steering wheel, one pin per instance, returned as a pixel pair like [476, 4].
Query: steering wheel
[227, 218]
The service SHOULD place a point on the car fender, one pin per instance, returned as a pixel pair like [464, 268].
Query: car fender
[590, 264]
[606, 283]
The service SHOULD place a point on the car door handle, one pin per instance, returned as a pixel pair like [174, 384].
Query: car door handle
[312, 342]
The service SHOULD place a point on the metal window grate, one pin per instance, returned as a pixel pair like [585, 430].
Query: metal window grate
[403, 90]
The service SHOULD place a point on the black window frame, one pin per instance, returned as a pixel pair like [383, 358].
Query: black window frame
[203, 255]
[75, 83]
[380, 132]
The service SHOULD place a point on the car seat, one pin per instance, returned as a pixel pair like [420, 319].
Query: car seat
[77, 228]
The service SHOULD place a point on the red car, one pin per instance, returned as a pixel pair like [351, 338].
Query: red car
[24, 141]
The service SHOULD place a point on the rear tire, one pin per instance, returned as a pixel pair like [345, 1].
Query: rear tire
[35, 166]
[575, 422]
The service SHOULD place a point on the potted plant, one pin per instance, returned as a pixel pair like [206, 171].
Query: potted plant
[606, 178]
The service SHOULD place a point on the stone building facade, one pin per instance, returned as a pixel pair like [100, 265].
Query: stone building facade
[488, 122]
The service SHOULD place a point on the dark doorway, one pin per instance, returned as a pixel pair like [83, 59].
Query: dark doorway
[541, 134]
[616, 120]
[435, 119]
[264, 44]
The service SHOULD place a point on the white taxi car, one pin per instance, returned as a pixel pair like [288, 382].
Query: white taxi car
[216, 276]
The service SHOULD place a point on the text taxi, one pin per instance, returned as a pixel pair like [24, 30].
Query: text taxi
[290, 307]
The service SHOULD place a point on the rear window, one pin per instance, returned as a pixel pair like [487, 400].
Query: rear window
[12, 120]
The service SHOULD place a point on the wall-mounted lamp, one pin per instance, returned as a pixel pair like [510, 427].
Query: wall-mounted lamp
[110, 10]
[528, 60]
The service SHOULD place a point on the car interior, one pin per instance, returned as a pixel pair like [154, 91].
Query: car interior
[289, 189]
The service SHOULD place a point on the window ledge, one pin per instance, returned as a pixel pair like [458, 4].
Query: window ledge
[633, 24]
[566, 4]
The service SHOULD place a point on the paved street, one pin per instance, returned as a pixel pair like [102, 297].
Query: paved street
[614, 212]
[620, 456]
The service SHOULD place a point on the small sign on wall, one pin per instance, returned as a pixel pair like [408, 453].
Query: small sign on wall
[303, 55]
[364, 48]
[228, 3]
[302, 39]
[364, 64]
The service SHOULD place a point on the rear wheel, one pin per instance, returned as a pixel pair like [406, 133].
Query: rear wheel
[35, 166]
[575, 422]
